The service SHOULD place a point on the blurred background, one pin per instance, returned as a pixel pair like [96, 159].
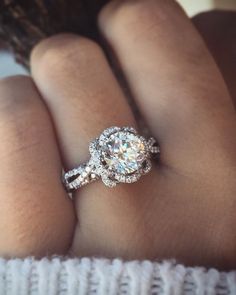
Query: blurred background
[9, 67]
[193, 7]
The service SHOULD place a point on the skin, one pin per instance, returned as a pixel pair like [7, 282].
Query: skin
[185, 208]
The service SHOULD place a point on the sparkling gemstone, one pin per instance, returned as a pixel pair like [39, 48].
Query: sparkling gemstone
[124, 152]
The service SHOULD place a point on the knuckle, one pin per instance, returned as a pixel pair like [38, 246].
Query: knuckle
[16, 93]
[131, 14]
[22, 115]
[10, 79]
[56, 54]
[14, 80]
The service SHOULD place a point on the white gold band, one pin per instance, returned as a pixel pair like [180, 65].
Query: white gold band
[119, 155]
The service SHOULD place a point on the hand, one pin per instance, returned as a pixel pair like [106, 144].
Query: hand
[185, 208]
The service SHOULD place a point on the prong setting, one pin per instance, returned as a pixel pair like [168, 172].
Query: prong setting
[108, 174]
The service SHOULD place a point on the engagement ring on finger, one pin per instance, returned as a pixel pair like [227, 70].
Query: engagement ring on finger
[119, 155]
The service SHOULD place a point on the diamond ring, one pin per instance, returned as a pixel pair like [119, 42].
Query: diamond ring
[119, 155]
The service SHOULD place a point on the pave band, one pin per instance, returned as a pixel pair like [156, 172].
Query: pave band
[119, 155]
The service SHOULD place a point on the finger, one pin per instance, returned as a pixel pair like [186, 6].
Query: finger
[84, 99]
[218, 29]
[174, 80]
[36, 216]
[80, 91]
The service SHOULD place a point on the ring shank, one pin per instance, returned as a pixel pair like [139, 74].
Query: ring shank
[80, 176]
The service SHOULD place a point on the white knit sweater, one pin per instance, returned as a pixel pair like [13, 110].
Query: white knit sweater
[86, 276]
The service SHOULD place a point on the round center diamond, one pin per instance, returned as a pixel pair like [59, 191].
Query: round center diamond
[124, 152]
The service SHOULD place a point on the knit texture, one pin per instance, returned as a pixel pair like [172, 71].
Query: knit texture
[58, 276]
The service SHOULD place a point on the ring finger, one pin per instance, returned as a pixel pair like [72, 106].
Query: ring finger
[84, 98]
